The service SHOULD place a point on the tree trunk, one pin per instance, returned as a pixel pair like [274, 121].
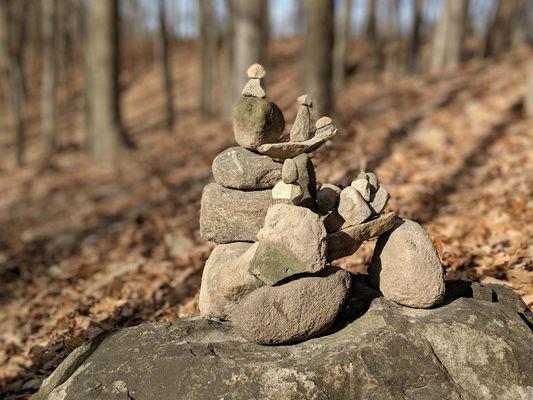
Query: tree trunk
[49, 22]
[415, 37]
[318, 54]
[249, 40]
[449, 35]
[342, 37]
[508, 27]
[393, 54]
[12, 31]
[208, 54]
[102, 52]
[163, 49]
[528, 101]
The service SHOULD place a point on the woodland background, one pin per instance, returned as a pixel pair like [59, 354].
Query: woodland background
[111, 112]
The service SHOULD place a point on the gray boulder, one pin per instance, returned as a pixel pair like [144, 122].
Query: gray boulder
[466, 349]
[256, 121]
[238, 168]
[229, 215]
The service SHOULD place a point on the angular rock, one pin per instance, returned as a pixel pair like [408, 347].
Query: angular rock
[373, 181]
[406, 268]
[238, 168]
[281, 151]
[346, 241]
[467, 349]
[299, 309]
[256, 71]
[229, 215]
[298, 231]
[363, 187]
[332, 221]
[271, 264]
[380, 200]
[288, 193]
[253, 89]
[302, 129]
[256, 121]
[289, 173]
[327, 197]
[352, 207]
[306, 180]
[234, 279]
[211, 302]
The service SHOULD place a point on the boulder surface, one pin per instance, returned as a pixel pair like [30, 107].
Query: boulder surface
[466, 349]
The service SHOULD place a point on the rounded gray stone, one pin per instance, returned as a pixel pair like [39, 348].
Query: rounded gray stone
[352, 207]
[289, 172]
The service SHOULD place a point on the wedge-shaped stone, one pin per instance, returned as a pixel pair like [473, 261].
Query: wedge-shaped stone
[253, 89]
[229, 215]
[292, 149]
[346, 241]
[380, 200]
[271, 264]
[406, 268]
[299, 309]
[298, 231]
[302, 128]
[211, 302]
[353, 207]
[363, 187]
[238, 168]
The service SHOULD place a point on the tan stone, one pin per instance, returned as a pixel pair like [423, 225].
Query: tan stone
[256, 71]
[352, 207]
[322, 122]
[304, 99]
[253, 89]
[380, 200]
[363, 187]
[288, 192]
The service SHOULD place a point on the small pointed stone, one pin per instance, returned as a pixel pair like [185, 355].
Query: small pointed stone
[380, 200]
[253, 89]
[305, 100]
[306, 180]
[322, 122]
[362, 175]
[363, 187]
[327, 197]
[352, 207]
[256, 71]
[301, 129]
[289, 172]
[289, 193]
[373, 181]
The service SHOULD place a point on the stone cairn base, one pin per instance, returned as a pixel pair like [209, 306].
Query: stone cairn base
[271, 272]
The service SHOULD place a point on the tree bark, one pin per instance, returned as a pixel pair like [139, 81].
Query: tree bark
[528, 100]
[342, 37]
[249, 40]
[415, 37]
[163, 49]
[49, 22]
[106, 132]
[449, 35]
[208, 53]
[318, 54]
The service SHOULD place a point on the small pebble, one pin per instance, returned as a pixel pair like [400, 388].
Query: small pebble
[256, 71]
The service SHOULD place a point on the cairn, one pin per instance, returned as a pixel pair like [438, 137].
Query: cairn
[271, 272]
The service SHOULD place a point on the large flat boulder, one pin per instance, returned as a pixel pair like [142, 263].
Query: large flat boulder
[466, 349]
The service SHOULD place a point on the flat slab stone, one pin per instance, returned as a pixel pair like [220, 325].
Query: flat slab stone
[229, 215]
[238, 168]
[346, 241]
[466, 349]
[283, 150]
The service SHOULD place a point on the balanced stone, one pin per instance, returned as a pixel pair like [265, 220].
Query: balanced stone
[380, 200]
[406, 268]
[211, 302]
[346, 241]
[327, 197]
[238, 168]
[363, 187]
[229, 215]
[373, 181]
[304, 99]
[352, 207]
[299, 309]
[289, 173]
[271, 264]
[322, 122]
[306, 180]
[256, 122]
[289, 193]
[234, 279]
[301, 129]
[253, 89]
[297, 230]
[256, 71]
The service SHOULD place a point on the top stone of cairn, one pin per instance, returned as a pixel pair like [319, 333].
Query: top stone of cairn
[256, 71]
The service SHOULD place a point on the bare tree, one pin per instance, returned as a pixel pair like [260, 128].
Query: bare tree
[102, 51]
[163, 49]
[208, 53]
[507, 28]
[249, 40]
[415, 37]
[528, 101]
[342, 36]
[318, 54]
[449, 35]
[49, 23]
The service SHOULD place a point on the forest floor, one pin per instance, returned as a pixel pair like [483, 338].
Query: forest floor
[89, 248]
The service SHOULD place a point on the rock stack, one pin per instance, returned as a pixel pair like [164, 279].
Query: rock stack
[271, 272]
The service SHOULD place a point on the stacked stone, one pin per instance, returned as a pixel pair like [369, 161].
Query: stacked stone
[276, 235]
